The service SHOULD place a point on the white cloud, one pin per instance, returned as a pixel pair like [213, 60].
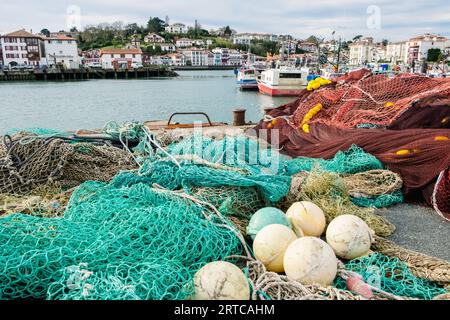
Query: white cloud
[399, 19]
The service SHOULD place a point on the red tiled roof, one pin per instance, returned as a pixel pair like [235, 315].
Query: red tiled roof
[120, 51]
[21, 34]
[59, 37]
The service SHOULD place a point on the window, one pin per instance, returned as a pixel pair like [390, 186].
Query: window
[122, 55]
[291, 75]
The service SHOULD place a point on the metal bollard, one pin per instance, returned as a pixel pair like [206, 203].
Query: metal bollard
[239, 117]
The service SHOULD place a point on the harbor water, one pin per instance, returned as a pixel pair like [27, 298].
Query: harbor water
[72, 105]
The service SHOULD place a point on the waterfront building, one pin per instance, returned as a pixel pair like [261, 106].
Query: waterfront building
[307, 46]
[234, 58]
[176, 28]
[361, 52]
[223, 53]
[247, 38]
[61, 50]
[397, 52]
[154, 38]
[418, 47]
[184, 43]
[177, 59]
[120, 58]
[166, 46]
[22, 48]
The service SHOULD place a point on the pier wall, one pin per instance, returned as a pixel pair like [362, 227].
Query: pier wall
[84, 74]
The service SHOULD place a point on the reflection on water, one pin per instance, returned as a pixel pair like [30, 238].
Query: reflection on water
[90, 104]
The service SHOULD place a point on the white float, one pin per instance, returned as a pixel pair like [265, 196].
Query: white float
[270, 244]
[349, 236]
[306, 219]
[310, 260]
[221, 280]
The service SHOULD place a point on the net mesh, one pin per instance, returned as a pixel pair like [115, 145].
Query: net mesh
[391, 275]
[142, 236]
[374, 100]
[28, 161]
[115, 241]
[441, 195]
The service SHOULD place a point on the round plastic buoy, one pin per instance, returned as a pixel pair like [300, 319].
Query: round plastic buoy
[265, 216]
[271, 243]
[221, 280]
[306, 218]
[349, 236]
[310, 260]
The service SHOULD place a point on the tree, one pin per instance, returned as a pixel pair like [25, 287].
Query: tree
[74, 29]
[358, 37]
[155, 25]
[45, 32]
[313, 39]
[227, 32]
[434, 54]
[385, 42]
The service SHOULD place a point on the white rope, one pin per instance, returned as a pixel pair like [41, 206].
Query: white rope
[433, 197]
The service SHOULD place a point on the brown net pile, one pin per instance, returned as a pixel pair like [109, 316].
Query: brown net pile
[441, 194]
[330, 193]
[27, 162]
[372, 183]
[375, 100]
[48, 200]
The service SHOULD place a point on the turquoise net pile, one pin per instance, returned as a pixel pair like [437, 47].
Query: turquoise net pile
[112, 236]
[391, 275]
[249, 154]
[134, 238]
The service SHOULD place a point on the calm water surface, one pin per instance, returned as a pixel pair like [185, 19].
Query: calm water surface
[90, 104]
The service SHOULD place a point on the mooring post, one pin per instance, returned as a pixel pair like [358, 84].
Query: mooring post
[239, 117]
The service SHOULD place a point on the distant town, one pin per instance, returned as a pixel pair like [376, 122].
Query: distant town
[119, 46]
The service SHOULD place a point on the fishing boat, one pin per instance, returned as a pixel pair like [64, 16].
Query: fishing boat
[247, 78]
[283, 82]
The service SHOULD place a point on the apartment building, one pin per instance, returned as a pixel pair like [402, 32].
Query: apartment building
[61, 50]
[120, 58]
[22, 48]
[176, 28]
[361, 52]
[418, 47]
[184, 43]
[247, 38]
[154, 38]
[397, 52]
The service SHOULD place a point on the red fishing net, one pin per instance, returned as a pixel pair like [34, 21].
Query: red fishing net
[441, 195]
[362, 99]
[404, 121]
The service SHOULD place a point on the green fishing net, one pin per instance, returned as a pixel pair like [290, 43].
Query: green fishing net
[354, 160]
[391, 275]
[381, 201]
[115, 241]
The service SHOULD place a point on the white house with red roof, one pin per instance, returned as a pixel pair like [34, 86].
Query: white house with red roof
[22, 48]
[62, 50]
[120, 58]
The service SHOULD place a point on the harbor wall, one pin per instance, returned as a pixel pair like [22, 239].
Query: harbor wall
[85, 74]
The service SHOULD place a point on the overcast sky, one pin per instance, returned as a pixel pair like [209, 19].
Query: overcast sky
[382, 19]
